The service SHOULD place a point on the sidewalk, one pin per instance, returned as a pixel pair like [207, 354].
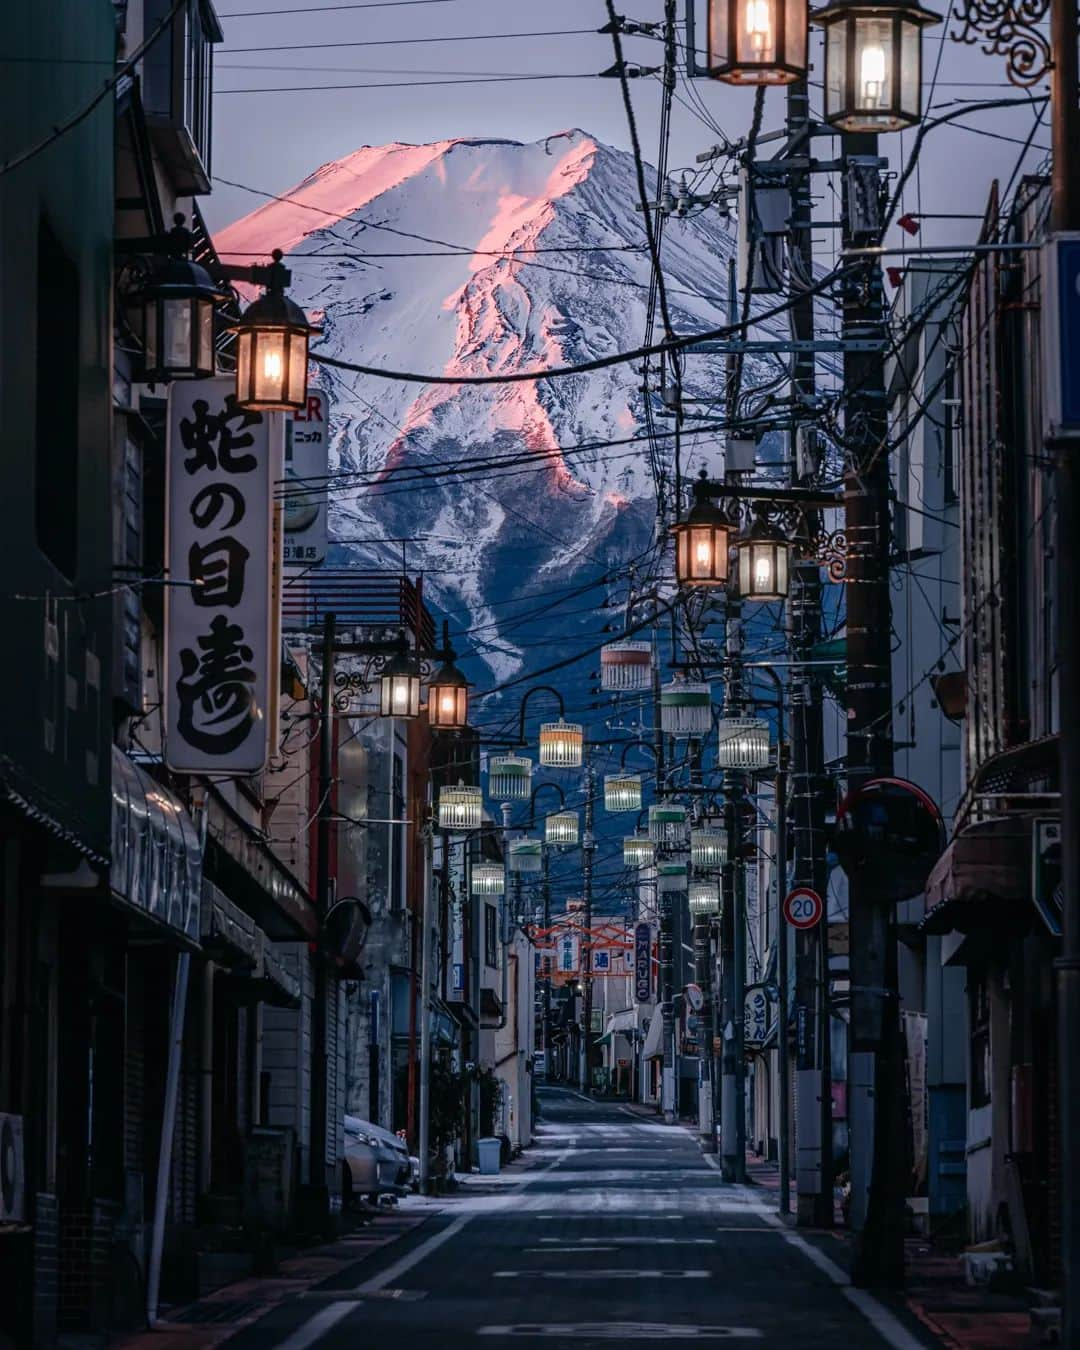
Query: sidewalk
[935, 1291]
[210, 1321]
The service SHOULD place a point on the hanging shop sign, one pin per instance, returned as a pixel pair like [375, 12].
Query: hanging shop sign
[889, 834]
[756, 1020]
[1061, 336]
[307, 459]
[222, 464]
[642, 963]
[803, 908]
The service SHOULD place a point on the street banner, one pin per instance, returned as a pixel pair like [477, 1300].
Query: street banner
[307, 459]
[643, 963]
[222, 465]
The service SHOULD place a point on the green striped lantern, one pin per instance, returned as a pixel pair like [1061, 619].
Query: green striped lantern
[667, 823]
[510, 778]
[704, 899]
[672, 876]
[526, 855]
[686, 709]
[709, 848]
[622, 792]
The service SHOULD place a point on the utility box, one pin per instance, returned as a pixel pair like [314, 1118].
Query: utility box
[488, 1152]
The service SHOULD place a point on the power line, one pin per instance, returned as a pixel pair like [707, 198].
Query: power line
[329, 9]
[410, 41]
[406, 84]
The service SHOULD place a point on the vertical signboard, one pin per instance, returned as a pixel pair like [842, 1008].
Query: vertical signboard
[643, 963]
[222, 464]
[307, 458]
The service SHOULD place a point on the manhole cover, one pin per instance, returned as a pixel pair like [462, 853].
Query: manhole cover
[202, 1314]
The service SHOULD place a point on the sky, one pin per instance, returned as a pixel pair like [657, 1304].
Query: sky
[301, 117]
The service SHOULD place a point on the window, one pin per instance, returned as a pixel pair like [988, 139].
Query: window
[56, 412]
[979, 998]
[178, 85]
[491, 935]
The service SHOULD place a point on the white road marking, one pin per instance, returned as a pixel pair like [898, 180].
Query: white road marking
[602, 1274]
[886, 1324]
[623, 1331]
[317, 1325]
[560, 1251]
[649, 1241]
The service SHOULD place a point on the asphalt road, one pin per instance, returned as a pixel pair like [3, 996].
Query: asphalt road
[619, 1230]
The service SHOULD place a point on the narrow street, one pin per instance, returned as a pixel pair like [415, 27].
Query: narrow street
[619, 1230]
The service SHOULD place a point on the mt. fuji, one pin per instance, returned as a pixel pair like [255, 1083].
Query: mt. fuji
[477, 257]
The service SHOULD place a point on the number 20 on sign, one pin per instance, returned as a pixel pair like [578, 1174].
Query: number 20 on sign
[803, 908]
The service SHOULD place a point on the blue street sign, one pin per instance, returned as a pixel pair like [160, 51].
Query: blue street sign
[642, 963]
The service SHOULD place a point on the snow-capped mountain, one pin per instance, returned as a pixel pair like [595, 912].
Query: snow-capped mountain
[477, 257]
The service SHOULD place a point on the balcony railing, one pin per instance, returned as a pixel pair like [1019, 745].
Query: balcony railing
[357, 599]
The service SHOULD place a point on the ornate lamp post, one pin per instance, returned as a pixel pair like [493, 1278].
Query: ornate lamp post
[763, 552]
[702, 540]
[755, 42]
[272, 347]
[873, 63]
[399, 684]
[448, 692]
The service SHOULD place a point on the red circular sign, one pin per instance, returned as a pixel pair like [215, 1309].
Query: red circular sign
[803, 908]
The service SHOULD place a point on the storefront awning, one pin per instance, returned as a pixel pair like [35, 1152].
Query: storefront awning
[983, 880]
[156, 862]
[654, 1039]
[228, 934]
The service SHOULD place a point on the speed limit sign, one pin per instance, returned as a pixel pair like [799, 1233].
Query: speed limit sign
[803, 907]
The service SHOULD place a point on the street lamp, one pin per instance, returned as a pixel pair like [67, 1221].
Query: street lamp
[399, 684]
[685, 709]
[272, 348]
[743, 743]
[667, 823]
[704, 899]
[487, 879]
[561, 744]
[638, 850]
[757, 41]
[671, 876]
[526, 855]
[448, 692]
[702, 540]
[510, 777]
[625, 665]
[622, 792]
[562, 827]
[461, 808]
[763, 553]
[178, 300]
[873, 63]
[708, 848]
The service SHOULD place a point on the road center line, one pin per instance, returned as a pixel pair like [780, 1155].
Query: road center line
[317, 1325]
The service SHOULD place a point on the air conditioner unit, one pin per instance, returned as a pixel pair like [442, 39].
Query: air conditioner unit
[12, 1170]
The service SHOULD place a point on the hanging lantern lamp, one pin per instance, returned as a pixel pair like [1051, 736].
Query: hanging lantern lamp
[704, 899]
[487, 879]
[625, 665]
[526, 855]
[873, 63]
[709, 848]
[562, 827]
[399, 684]
[702, 540]
[763, 553]
[667, 823]
[622, 792]
[461, 808]
[638, 850]
[510, 778]
[757, 41]
[448, 692]
[672, 876]
[743, 743]
[686, 709]
[561, 744]
[272, 348]
[177, 301]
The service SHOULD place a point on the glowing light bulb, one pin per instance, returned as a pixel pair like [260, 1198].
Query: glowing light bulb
[759, 26]
[872, 73]
[401, 693]
[762, 572]
[446, 703]
[703, 553]
[272, 365]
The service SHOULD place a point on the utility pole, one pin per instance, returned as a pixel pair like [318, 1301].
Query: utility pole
[703, 978]
[733, 939]
[587, 846]
[1065, 215]
[545, 898]
[426, 939]
[783, 1010]
[875, 1063]
[320, 1196]
[809, 785]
